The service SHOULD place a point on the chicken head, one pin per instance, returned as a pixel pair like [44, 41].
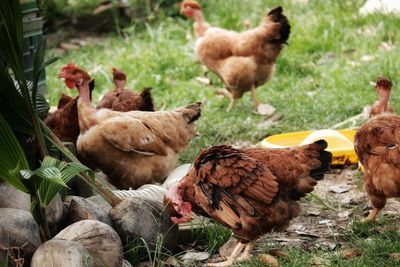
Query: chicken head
[188, 7]
[383, 86]
[179, 210]
[73, 75]
[119, 79]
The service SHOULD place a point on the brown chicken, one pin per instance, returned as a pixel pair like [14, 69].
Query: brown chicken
[131, 148]
[377, 144]
[242, 60]
[383, 87]
[64, 121]
[252, 191]
[121, 99]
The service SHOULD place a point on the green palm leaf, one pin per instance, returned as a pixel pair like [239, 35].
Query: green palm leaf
[12, 157]
[56, 174]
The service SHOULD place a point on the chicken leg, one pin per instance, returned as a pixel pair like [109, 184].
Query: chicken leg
[372, 215]
[254, 96]
[231, 104]
[234, 257]
[247, 252]
[224, 92]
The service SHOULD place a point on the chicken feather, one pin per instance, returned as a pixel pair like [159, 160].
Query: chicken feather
[131, 148]
[377, 144]
[254, 195]
[242, 60]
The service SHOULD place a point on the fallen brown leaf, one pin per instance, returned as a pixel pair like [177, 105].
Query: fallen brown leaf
[395, 255]
[317, 261]
[350, 253]
[278, 253]
[268, 260]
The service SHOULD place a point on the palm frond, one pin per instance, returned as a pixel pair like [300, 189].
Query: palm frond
[12, 157]
[56, 174]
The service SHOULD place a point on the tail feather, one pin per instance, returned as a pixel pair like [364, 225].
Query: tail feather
[276, 15]
[326, 159]
[192, 112]
[147, 99]
[92, 84]
[306, 184]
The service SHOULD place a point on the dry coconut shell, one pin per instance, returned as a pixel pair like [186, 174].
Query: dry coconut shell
[19, 235]
[84, 209]
[54, 211]
[135, 218]
[12, 198]
[100, 240]
[148, 191]
[61, 253]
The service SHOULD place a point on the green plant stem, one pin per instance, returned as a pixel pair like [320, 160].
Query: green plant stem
[39, 215]
[45, 226]
[39, 136]
[116, 18]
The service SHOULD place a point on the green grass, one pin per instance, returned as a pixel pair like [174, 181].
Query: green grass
[327, 38]
[374, 243]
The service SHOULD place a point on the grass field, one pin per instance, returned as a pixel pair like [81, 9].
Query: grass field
[323, 77]
[328, 39]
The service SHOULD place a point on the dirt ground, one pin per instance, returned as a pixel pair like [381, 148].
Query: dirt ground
[338, 200]
[326, 215]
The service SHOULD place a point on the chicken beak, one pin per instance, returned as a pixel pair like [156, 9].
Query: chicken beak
[62, 75]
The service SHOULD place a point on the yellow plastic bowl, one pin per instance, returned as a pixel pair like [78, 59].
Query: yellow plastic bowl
[340, 143]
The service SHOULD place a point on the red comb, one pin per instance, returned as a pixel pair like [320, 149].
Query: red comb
[192, 3]
[68, 66]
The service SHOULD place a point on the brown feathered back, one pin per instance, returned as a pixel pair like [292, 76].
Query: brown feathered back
[127, 101]
[64, 121]
[377, 145]
[253, 191]
[134, 148]
[243, 60]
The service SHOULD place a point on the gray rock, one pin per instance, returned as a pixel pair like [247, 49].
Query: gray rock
[137, 218]
[61, 253]
[13, 198]
[18, 229]
[84, 209]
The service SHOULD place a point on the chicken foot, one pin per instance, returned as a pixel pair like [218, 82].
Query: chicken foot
[372, 215]
[234, 257]
[262, 109]
[247, 252]
[225, 92]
